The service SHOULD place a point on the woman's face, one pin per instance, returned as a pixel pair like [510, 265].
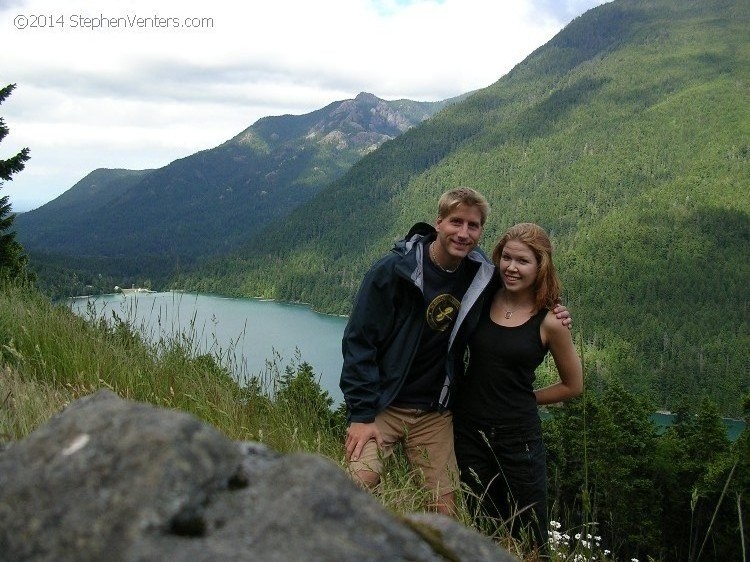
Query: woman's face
[518, 266]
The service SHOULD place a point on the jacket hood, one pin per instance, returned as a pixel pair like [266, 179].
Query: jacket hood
[416, 233]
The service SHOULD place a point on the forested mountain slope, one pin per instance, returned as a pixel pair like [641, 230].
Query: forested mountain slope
[627, 136]
[55, 224]
[209, 202]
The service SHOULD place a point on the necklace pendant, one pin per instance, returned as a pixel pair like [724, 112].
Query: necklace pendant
[508, 314]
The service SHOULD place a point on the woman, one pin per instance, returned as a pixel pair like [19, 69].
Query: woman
[498, 438]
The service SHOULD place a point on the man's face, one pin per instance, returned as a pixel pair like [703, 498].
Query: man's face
[459, 233]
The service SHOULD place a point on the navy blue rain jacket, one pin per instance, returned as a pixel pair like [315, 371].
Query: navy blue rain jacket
[385, 327]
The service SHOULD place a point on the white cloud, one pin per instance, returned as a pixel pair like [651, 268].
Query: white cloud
[139, 93]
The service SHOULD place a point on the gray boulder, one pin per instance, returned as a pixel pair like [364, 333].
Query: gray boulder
[111, 479]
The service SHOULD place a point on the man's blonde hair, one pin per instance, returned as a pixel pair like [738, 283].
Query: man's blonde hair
[467, 196]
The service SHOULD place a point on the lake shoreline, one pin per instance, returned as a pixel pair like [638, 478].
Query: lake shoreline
[290, 325]
[263, 334]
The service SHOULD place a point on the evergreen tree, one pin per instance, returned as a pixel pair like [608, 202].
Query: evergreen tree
[627, 502]
[305, 401]
[715, 517]
[739, 494]
[694, 463]
[600, 468]
[12, 259]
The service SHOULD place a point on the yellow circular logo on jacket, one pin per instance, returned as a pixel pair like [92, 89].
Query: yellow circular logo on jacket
[442, 312]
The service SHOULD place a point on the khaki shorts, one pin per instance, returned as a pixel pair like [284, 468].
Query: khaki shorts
[427, 438]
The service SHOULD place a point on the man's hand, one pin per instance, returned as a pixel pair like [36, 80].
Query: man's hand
[357, 434]
[562, 314]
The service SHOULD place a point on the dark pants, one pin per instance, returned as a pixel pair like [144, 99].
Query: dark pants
[505, 467]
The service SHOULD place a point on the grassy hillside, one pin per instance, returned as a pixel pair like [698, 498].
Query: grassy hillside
[641, 494]
[627, 137]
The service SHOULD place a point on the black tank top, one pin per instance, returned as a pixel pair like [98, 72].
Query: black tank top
[498, 388]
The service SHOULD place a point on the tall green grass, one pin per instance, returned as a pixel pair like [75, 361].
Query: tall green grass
[51, 356]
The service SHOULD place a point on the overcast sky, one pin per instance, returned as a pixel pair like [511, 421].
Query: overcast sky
[127, 84]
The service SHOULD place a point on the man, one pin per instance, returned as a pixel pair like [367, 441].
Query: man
[397, 373]
[412, 311]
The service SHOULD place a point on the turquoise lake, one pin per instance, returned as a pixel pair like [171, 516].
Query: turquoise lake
[250, 332]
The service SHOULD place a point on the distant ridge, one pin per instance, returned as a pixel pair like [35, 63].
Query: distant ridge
[209, 202]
